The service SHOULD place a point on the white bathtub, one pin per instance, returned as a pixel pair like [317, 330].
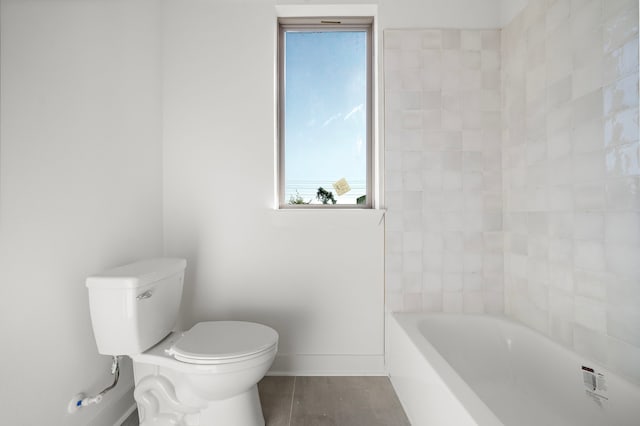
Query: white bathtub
[458, 370]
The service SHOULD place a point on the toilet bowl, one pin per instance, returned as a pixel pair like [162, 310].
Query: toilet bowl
[206, 375]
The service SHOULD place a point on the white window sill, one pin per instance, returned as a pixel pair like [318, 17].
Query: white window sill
[342, 216]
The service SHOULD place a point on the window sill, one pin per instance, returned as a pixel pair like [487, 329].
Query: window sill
[342, 216]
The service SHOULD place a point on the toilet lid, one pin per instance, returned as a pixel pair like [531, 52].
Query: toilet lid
[223, 340]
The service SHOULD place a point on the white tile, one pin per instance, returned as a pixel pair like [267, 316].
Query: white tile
[470, 40]
[411, 262]
[623, 358]
[472, 281]
[490, 60]
[452, 302]
[590, 313]
[412, 242]
[621, 94]
[411, 120]
[561, 304]
[590, 196]
[412, 302]
[430, 100]
[591, 284]
[432, 241]
[472, 262]
[432, 260]
[494, 302]
[403, 100]
[561, 276]
[432, 281]
[451, 121]
[473, 302]
[557, 14]
[561, 330]
[587, 107]
[559, 144]
[621, 127]
[623, 261]
[588, 16]
[589, 226]
[393, 242]
[622, 228]
[623, 324]
[432, 301]
[392, 39]
[588, 136]
[490, 40]
[619, 28]
[587, 78]
[560, 198]
[452, 263]
[431, 39]
[589, 255]
[623, 160]
[561, 250]
[623, 194]
[431, 120]
[470, 60]
[622, 61]
[588, 167]
[590, 343]
[451, 39]
[616, 7]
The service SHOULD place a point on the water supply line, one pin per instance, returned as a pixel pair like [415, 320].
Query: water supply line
[81, 400]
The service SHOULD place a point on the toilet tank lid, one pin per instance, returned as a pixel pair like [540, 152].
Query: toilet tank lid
[137, 274]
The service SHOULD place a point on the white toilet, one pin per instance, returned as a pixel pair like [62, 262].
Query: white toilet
[207, 375]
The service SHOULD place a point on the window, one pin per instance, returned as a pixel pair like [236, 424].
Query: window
[325, 126]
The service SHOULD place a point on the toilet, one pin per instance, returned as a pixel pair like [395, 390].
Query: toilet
[206, 375]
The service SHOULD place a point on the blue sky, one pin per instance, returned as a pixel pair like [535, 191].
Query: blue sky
[325, 101]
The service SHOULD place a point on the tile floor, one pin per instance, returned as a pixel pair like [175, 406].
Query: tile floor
[326, 401]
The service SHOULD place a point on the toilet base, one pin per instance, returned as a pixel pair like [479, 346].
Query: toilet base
[158, 406]
[243, 409]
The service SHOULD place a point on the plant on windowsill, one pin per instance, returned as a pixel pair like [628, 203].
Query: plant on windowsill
[325, 196]
[297, 199]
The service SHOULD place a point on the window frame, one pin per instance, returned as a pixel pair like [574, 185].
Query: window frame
[330, 24]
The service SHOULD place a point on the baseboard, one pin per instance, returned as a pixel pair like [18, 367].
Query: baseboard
[111, 413]
[328, 365]
[126, 415]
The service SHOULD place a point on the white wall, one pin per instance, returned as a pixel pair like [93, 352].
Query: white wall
[80, 191]
[317, 277]
[461, 14]
[509, 9]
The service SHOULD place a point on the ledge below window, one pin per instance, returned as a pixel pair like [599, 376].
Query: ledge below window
[338, 217]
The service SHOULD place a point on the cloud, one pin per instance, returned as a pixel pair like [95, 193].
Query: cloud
[353, 111]
[330, 119]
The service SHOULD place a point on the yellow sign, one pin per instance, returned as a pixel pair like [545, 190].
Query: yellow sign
[341, 187]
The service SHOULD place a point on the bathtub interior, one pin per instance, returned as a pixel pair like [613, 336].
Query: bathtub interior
[520, 375]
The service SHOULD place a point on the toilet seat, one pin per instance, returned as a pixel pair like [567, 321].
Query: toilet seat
[223, 342]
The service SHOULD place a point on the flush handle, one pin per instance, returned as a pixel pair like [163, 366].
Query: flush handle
[147, 294]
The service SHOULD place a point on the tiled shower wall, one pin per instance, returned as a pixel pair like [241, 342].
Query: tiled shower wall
[559, 156]
[443, 184]
[571, 176]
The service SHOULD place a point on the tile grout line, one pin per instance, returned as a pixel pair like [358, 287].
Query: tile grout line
[293, 394]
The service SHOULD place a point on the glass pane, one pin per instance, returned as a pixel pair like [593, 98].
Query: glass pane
[325, 117]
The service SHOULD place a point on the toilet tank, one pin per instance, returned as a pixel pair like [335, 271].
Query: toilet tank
[135, 306]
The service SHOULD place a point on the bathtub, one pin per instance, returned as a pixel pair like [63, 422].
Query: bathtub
[459, 370]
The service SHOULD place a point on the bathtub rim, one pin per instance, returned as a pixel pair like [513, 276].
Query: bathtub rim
[476, 407]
